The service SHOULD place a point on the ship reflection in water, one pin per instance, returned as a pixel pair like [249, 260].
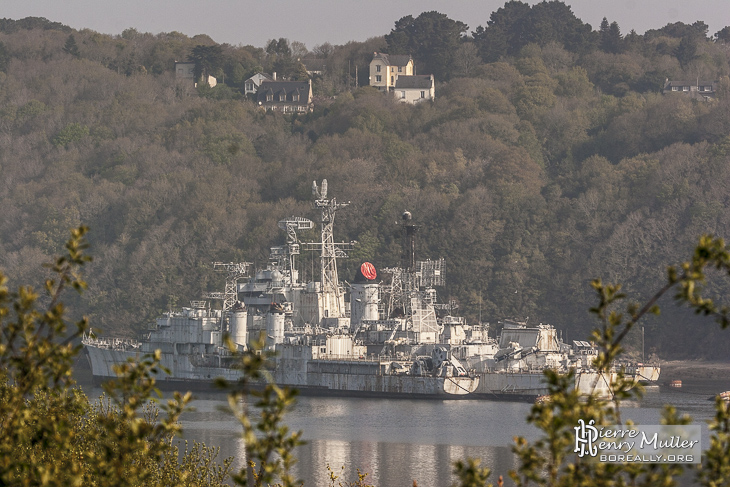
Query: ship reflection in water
[398, 441]
[393, 441]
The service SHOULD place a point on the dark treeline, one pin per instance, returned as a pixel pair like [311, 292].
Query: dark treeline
[549, 158]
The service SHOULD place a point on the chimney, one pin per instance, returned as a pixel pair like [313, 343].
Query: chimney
[273, 75]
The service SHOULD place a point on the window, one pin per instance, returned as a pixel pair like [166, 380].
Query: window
[378, 78]
[402, 94]
[675, 88]
[269, 97]
[391, 80]
[377, 68]
[400, 69]
[423, 94]
[282, 97]
[685, 88]
[295, 97]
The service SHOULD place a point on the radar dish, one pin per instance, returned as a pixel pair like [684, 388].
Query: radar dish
[368, 270]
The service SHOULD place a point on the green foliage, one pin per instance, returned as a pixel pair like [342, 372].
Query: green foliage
[431, 38]
[72, 132]
[4, 57]
[172, 179]
[360, 482]
[50, 434]
[207, 59]
[71, 47]
[470, 474]
[269, 443]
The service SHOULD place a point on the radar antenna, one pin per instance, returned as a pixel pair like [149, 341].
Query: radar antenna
[236, 271]
[291, 226]
[329, 250]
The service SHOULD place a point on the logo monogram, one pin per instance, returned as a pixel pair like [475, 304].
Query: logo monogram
[585, 436]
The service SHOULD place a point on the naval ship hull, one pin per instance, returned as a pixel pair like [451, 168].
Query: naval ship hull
[309, 377]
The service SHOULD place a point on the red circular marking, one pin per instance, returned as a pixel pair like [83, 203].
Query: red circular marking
[368, 270]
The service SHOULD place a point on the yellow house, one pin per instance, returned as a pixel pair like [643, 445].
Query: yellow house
[385, 69]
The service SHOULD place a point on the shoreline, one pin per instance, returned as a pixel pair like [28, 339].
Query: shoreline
[693, 369]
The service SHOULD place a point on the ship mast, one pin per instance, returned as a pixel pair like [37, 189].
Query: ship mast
[329, 251]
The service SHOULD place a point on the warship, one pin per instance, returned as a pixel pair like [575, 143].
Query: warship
[391, 338]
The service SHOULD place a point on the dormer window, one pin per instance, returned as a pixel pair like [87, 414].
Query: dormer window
[295, 97]
[282, 97]
[269, 97]
[675, 88]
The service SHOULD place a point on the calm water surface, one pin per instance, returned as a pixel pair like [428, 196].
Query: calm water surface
[398, 441]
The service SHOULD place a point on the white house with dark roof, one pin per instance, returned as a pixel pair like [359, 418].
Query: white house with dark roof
[285, 96]
[696, 89]
[415, 89]
[386, 68]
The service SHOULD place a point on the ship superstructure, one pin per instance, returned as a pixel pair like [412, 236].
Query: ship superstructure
[390, 338]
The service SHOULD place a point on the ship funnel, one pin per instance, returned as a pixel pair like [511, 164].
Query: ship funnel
[238, 328]
[364, 298]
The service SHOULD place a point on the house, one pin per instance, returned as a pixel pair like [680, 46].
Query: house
[414, 89]
[251, 85]
[696, 89]
[386, 68]
[186, 71]
[285, 96]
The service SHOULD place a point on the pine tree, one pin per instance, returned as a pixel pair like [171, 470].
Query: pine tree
[70, 47]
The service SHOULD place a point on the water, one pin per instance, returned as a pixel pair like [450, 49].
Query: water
[398, 441]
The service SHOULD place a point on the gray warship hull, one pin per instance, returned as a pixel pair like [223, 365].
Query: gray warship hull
[310, 377]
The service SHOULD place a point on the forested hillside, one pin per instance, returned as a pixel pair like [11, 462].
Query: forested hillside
[548, 158]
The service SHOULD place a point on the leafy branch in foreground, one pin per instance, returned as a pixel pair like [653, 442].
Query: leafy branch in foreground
[269, 443]
[551, 461]
[50, 434]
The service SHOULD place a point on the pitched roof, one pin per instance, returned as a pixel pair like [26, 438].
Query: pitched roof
[393, 59]
[419, 81]
[669, 84]
[287, 88]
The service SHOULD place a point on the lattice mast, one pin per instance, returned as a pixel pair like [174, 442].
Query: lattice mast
[285, 255]
[329, 250]
[235, 271]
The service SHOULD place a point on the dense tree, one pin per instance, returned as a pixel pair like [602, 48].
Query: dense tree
[516, 25]
[207, 60]
[70, 47]
[4, 57]
[573, 159]
[431, 38]
[723, 35]
[610, 37]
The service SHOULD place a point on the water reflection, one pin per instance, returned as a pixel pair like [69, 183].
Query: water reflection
[398, 441]
[393, 441]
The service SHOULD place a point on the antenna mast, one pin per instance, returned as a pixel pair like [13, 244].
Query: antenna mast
[329, 250]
